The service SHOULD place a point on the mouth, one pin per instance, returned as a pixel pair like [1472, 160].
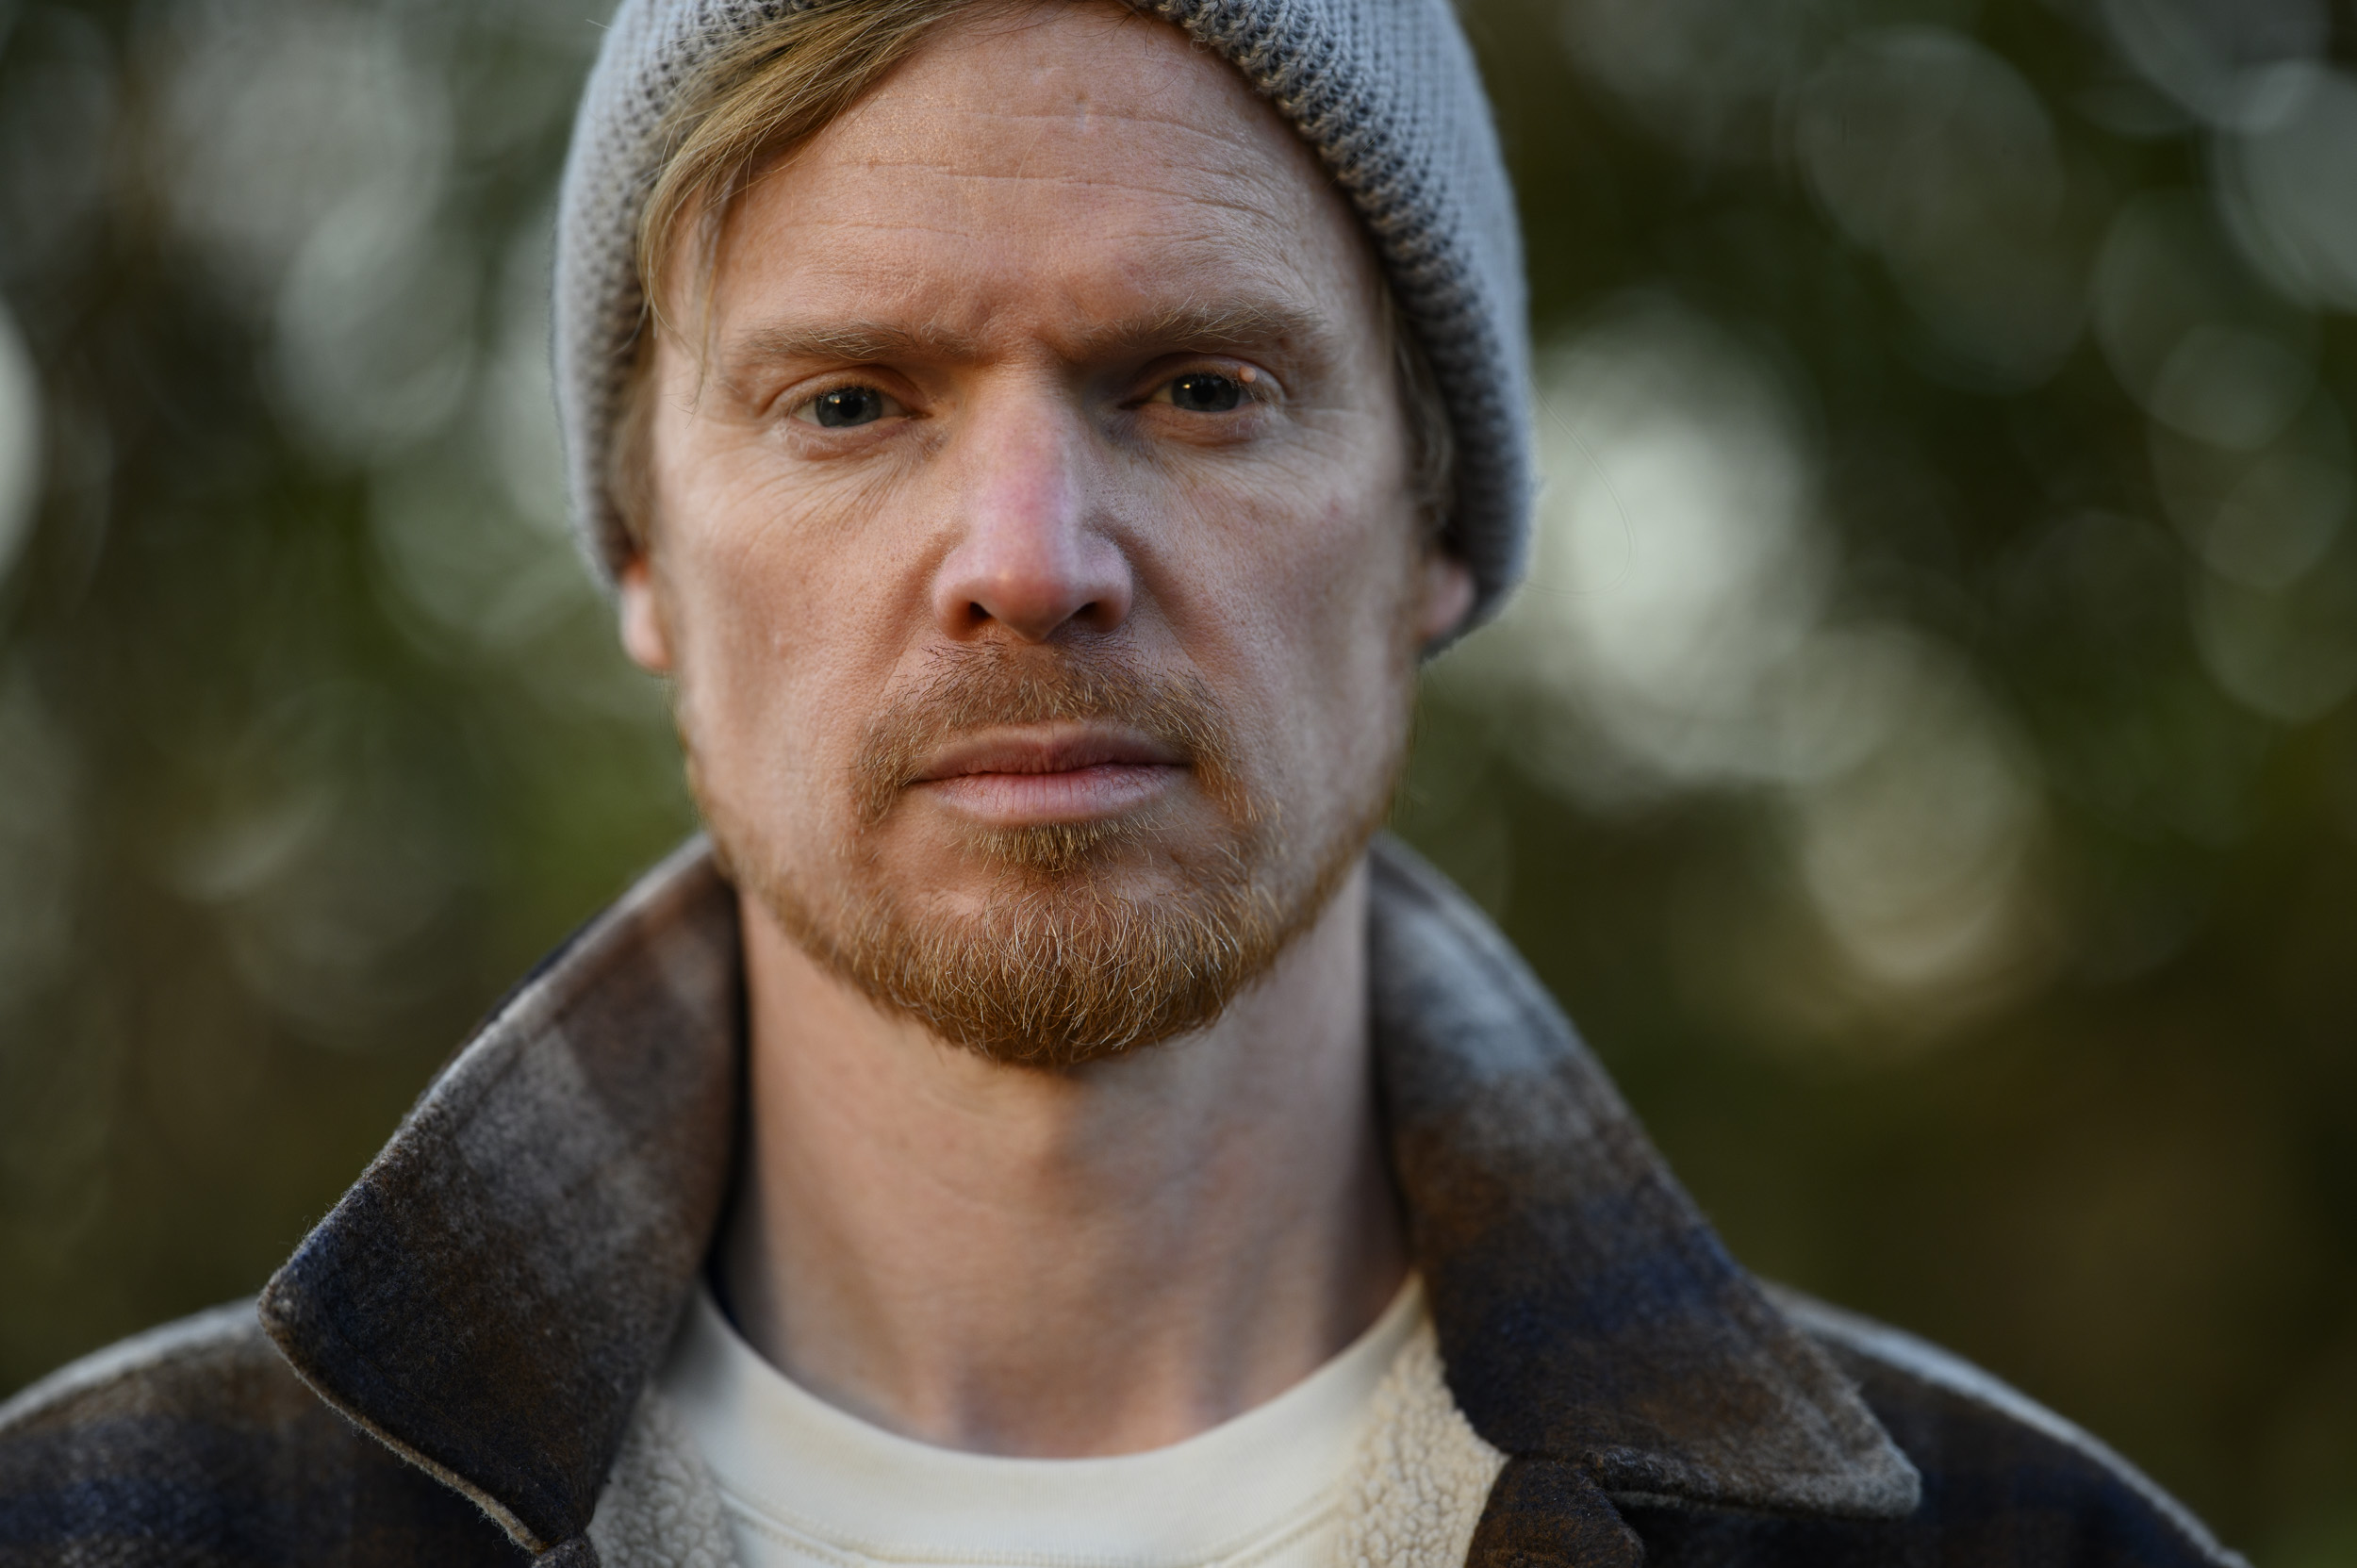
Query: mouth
[1044, 774]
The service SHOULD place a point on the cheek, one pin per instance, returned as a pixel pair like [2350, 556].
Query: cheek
[1306, 595]
[776, 629]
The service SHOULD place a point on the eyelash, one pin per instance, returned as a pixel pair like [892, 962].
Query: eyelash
[1253, 387]
[809, 404]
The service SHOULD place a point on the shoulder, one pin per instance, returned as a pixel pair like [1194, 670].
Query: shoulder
[2005, 1480]
[196, 1442]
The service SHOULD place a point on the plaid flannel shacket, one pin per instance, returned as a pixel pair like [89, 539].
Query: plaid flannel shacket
[444, 1371]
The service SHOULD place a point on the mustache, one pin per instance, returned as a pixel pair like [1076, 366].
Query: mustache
[987, 685]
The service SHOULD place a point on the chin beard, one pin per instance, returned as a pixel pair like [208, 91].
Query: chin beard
[1093, 939]
[1054, 967]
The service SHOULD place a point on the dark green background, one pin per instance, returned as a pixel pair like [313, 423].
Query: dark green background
[313, 735]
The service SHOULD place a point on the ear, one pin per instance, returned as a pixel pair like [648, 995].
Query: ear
[645, 638]
[1446, 596]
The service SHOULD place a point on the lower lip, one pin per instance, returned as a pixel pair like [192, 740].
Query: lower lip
[1037, 800]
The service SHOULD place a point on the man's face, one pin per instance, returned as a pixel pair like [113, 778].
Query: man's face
[1033, 542]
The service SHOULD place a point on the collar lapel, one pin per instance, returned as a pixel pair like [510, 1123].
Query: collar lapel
[492, 1294]
[1586, 1315]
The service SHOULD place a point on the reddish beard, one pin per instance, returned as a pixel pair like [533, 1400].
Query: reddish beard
[1064, 961]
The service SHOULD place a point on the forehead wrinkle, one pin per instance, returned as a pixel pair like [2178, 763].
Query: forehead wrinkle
[886, 134]
[1266, 208]
[1104, 116]
[1210, 180]
[923, 134]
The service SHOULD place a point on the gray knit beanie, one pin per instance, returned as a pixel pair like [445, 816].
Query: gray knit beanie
[1385, 91]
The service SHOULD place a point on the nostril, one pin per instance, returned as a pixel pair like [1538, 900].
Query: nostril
[1029, 579]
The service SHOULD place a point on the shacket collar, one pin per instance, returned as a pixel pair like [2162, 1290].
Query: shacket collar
[1589, 1318]
[494, 1293]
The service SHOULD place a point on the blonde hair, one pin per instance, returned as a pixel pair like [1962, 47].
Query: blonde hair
[761, 97]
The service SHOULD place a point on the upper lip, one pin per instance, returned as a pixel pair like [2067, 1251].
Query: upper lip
[1047, 748]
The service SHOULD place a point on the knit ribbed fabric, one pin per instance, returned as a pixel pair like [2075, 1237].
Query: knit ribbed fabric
[1385, 91]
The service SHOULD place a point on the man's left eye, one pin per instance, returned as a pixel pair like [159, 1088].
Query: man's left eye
[1206, 392]
[841, 407]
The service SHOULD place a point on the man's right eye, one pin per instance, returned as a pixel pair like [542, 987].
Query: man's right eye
[841, 407]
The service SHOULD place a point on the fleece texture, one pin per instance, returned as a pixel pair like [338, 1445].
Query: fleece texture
[451, 1368]
[1410, 1498]
[1384, 91]
[661, 1508]
[1415, 1490]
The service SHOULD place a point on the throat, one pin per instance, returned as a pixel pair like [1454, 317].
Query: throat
[1095, 1259]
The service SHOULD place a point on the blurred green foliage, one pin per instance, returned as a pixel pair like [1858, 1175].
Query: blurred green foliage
[1922, 761]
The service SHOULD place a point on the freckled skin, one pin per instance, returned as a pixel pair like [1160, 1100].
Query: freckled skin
[1019, 244]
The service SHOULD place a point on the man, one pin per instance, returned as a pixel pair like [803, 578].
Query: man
[1039, 439]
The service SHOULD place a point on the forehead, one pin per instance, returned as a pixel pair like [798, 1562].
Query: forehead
[1071, 157]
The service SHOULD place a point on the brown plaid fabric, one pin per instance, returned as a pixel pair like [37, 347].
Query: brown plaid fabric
[443, 1371]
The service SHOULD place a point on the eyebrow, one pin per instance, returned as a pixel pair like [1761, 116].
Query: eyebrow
[1235, 326]
[859, 342]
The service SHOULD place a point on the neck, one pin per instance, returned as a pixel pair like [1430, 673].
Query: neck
[1097, 1260]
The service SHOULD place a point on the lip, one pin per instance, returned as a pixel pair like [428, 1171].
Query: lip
[1049, 773]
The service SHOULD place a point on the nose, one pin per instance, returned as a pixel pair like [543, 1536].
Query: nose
[1032, 557]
